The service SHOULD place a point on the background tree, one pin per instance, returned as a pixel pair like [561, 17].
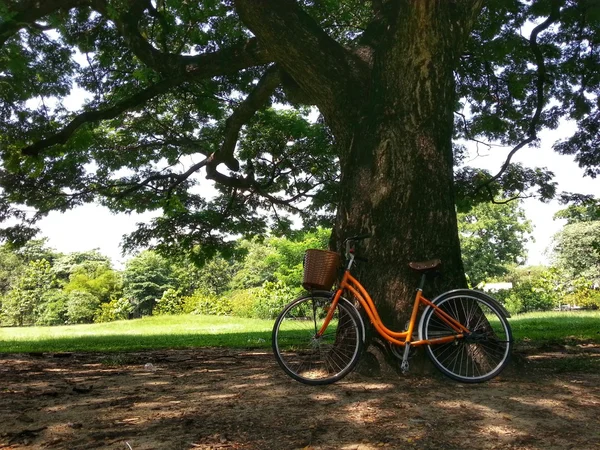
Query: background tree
[65, 265]
[25, 302]
[11, 266]
[576, 250]
[585, 210]
[145, 278]
[492, 239]
[178, 91]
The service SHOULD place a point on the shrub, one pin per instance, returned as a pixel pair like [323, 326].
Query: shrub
[243, 302]
[204, 303]
[583, 295]
[171, 302]
[513, 304]
[272, 297]
[116, 309]
[534, 289]
[82, 307]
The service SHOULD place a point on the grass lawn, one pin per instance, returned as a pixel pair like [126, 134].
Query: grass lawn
[146, 333]
[555, 327]
[214, 331]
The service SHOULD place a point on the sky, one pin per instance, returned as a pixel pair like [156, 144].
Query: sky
[94, 227]
[567, 173]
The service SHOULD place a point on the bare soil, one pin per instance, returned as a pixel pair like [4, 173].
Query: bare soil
[240, 399]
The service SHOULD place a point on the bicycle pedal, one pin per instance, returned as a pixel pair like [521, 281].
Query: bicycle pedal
[404, 366]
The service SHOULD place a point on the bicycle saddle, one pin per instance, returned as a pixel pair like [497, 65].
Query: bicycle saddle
[425, 266]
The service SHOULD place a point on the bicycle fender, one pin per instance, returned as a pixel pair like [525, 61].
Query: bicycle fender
[454, 292]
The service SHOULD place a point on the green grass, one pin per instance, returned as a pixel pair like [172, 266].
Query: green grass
[543, 328]
[537, 329]
[148, 333]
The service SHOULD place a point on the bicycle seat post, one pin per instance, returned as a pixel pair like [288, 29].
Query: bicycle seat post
[422, 282]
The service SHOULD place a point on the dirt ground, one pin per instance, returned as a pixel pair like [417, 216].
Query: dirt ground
[224, 399]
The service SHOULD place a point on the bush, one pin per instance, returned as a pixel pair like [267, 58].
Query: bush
[82, 307]
[513, 304]
[534, 289]
[272, 297]
[116, 309]
[243, 302]
[209, 304]
[583, 295]
[171, 302]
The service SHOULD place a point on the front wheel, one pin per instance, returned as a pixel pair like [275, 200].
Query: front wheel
[313, 359]
[483, 352]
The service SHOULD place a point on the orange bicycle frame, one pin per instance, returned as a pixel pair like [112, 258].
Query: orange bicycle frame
[398, 338]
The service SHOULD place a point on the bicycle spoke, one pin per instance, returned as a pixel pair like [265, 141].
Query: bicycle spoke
[308, 357]
[481, 353]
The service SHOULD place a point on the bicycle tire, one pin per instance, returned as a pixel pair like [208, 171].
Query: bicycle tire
[317, 361]
[480, 356]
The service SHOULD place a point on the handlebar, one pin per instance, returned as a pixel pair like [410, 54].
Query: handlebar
[360, 237]
[350, 248]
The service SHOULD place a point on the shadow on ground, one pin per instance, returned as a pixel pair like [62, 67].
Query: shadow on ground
[224, 399]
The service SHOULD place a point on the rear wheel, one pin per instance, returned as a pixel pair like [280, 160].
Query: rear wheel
[483, 352]
[317, 360]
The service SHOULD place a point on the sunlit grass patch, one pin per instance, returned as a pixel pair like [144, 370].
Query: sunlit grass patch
[147, 333]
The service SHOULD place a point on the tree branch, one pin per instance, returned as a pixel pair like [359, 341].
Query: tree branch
[223, 62]
[132, 102]
[540, 97]
[29, 11]
[327, 72]
[246, 109]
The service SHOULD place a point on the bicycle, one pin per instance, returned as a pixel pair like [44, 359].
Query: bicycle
[319, 337]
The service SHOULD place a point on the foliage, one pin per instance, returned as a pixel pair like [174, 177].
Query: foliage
[171, 302]
[23, 304]
[97, 279]
[208, 304]
[36, 250]
[493, 238]
[11, 266]
[243, 302]
[534, 289]
[82, 307]
[272, 297]
[276, 259]
[65, 265]
[171, 85]
[145, 278]
[583, 294]
[116, 309]
[54, 308]
[257, 265]
[214, 276]
[576, 250]
[583, 210]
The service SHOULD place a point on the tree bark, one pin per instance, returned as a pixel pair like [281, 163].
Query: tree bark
[397, 172]
[389, 103]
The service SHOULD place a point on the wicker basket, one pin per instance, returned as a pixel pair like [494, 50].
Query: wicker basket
[320, 269]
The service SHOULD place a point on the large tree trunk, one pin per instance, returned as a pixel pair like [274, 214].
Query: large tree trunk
[397, 174]
[389, 104]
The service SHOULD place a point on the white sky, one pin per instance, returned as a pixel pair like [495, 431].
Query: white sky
[91, 226]
[567, 173]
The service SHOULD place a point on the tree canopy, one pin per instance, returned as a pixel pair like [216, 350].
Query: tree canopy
[171, 90]
[493, 239]
[174, 92]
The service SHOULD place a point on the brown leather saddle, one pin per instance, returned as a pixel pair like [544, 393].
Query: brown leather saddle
[426, 266]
